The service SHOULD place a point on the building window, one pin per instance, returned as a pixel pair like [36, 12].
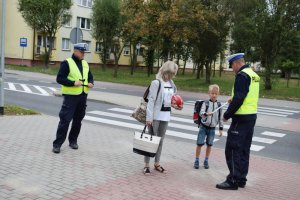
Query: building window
[65, 44]
[99, 48]
[126, 51]
[68, 24]
[40, 42]
[140, 52]
[88, 44]
[85, 3]
[84, 23]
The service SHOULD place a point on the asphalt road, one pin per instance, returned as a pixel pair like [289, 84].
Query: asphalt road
[285, 147]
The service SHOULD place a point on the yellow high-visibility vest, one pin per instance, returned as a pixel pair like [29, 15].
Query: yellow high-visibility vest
[75, 75]
[249, 105]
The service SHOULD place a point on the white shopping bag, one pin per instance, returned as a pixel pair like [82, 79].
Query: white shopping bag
[145, 144]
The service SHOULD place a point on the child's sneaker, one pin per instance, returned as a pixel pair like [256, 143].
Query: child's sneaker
[206, 166]
[196, 164]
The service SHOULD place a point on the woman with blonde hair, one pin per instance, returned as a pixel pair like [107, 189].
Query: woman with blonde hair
[159, 108]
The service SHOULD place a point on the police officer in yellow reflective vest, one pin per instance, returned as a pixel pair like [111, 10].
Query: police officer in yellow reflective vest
[243, 111]
[76, 79]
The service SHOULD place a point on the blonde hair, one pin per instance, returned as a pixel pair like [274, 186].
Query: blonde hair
[167, 71]
[214, 86]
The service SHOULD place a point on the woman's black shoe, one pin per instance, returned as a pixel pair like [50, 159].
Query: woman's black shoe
[56, 150]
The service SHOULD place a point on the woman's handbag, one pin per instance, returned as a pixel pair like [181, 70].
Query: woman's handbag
[140, 112]
[145, 144]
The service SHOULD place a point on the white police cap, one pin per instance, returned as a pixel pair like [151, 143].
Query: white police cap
[81, 46]
[234, 57]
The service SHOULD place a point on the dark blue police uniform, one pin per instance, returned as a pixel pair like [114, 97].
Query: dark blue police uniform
[240, 133]
[73, 107]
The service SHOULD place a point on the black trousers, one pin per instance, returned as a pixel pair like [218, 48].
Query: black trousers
[237, 150]
[73, 108]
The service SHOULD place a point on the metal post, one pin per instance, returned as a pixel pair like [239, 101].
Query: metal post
[2, 59]
[22, 56]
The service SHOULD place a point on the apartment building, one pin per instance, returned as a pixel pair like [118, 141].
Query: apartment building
[17, 32]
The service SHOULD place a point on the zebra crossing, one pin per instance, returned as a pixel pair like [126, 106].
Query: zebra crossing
[263, 110]
[31, 89]
[178, 127]
[48, 91]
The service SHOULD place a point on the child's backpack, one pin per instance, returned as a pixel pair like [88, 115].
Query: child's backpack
[197, 109]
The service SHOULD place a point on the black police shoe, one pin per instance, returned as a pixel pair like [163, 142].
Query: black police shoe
[241, 184]
[56, 150]
[73, 145]
[227, 186]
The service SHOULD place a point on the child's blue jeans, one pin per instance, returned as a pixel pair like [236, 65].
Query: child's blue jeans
[208, 133]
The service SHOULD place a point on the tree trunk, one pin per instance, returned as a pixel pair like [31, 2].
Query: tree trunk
[46, 55]
[198, 70]
[268, 72]
[208, 71]
[184, 65]
[288, 78]
[131, 58]
[214, 71]
[103, 57]
[268, 84]
[116, 65]
[222, 57]
[150, 61]
[194, 68]
[157, 62]
[298, 76]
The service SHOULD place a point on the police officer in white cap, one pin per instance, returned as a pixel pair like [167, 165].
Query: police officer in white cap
[242, 109]
[76, 79]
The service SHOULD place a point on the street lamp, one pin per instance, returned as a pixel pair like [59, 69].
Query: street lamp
[2, 59]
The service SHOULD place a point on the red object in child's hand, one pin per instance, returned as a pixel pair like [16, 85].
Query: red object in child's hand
[178, 100]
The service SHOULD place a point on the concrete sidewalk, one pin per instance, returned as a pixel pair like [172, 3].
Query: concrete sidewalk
[104, 167]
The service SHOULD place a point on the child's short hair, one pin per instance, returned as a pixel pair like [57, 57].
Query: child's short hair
[214, 86]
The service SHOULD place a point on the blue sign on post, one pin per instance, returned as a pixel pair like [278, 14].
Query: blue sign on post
[23, 42]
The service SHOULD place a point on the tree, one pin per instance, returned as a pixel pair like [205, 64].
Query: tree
[46, 16]
[132, 10]
[289, 56]
[205, 28]
[107, 29]
[264, 23]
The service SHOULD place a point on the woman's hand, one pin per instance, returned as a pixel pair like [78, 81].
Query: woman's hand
[149, 123]
[174, 105]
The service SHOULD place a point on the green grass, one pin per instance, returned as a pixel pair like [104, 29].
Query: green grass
[186, 82]
[15, 110]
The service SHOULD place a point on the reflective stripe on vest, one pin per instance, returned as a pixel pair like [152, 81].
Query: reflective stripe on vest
[249, 105]
[75, 75]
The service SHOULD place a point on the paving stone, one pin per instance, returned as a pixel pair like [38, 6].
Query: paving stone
[104, 167]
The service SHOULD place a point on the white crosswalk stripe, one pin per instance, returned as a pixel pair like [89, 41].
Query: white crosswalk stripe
[274, 134]
[264, 110]
[178, 119]
[41, 90]
[178, 127]
[26, 88]
[30, 89]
